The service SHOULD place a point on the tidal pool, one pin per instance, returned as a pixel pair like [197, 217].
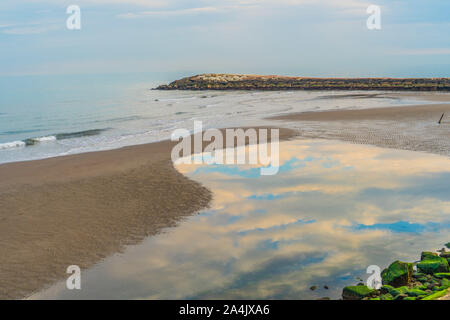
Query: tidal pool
[332, 210]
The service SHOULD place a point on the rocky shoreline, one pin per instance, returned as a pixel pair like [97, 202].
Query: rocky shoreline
[257, 82]
[428, 279]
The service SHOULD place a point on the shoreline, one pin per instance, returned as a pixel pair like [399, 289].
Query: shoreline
[413, 128]
[81, 208]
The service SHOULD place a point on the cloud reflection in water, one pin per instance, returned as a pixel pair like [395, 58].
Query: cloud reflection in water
[333, 210]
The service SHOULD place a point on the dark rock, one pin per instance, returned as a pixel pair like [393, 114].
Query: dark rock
[416, 292]
[313, 288]
[386, 289]
[419, 275]
[401, 296]
[255, 82]
[357, 292]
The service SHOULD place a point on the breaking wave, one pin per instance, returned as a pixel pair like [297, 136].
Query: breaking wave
[59, 136]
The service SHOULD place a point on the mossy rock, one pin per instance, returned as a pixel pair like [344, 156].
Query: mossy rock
[443, 275]
[433, 265]
[386, 296]
[445, 283]
[445, 255]
[428, 255]
[398, 291]
[397, 274]
[402, 296]
[447, 245]
[419, 275]
[357, 292]
[404, 290]
[386, 289]
[410, 298]
[422, 287]
[415, 292]
[436, 295]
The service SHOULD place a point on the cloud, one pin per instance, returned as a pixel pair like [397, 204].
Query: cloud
[423, 52]
[346, 6]
[171, 12]
[29, 30]
[143, 3]
[169, 3]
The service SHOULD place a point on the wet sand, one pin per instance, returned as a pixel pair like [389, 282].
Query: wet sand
[412, 128]
[79, 209]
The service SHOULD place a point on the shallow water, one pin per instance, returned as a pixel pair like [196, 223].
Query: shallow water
[75, 114]
[331, 211]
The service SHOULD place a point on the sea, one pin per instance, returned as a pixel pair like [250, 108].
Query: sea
[45, 116]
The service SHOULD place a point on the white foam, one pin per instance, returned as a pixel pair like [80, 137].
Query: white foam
[13, 144]
[45, 139]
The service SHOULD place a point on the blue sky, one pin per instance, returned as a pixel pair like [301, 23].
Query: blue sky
[291, 37]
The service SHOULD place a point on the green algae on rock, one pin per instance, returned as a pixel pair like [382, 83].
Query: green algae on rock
[436, 295]
[431, 264]
[401, 282]
[397, 274]
[357, 292]
[427, 255]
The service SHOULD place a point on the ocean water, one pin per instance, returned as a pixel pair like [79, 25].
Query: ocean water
[333, 209]
[47, 116]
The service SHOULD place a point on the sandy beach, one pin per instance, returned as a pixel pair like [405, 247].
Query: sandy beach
[82, 208]
[414, 128]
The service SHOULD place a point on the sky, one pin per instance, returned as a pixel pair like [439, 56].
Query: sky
[286, 37]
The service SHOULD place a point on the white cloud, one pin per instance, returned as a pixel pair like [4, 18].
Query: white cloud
[29, 30]
[171, 12]
[146, 3]
[215, 6]
[33, 27]
[423, 52]
[152, 3]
